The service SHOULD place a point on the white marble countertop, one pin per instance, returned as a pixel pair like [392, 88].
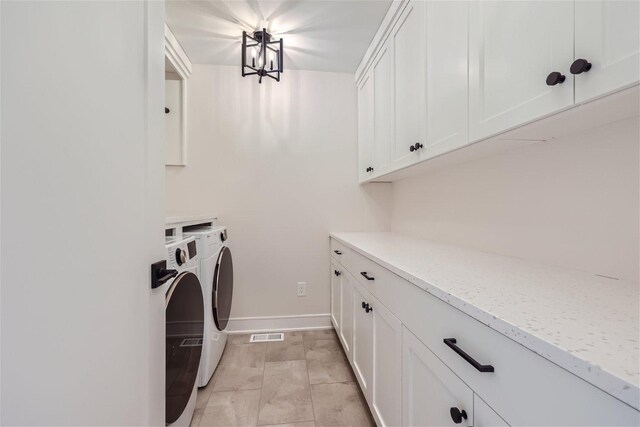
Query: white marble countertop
[587, 324]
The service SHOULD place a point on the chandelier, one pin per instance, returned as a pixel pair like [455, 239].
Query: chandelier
[261, 56]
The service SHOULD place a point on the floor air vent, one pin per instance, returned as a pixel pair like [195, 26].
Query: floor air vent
[267, 337]
[191, 342]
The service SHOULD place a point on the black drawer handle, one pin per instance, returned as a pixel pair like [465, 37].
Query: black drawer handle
[337, 252]
[337, 273]
[364, 274]
[451, 342]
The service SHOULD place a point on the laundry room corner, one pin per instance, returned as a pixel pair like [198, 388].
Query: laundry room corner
[277, 166]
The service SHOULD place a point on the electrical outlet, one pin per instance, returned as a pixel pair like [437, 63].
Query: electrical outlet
[302, 289]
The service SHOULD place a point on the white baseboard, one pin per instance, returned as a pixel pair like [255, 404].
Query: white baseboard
[242, 325]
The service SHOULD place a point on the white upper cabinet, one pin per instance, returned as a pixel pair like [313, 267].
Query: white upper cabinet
[607, 36]
[513, 47]
[382, 109]
[432, 394]
[408, 40]
[446, 77]
[365, 126]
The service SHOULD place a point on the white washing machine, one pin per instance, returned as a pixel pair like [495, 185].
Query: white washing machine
[184, 309]
[216, 277]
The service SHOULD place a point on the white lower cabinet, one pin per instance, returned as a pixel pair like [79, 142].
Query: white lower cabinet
[336, 296]
[484, 416]
[406, 349]
[346, 313]
[432, 395]
[363, 340]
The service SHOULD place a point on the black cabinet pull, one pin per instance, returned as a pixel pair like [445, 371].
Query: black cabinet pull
[337, 252]
[412, 148]
[451, 343]
[364, 304]
[580, 66]
[368, 308]
[364, 274]
[417, 146]
[555, 78]
[337, 273]
[457, 415]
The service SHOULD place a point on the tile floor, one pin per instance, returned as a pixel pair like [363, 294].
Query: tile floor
[303, 381]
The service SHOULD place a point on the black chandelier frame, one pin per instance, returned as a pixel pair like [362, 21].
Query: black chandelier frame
[262, 39]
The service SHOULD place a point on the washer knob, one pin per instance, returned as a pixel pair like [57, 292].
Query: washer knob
[181, 256]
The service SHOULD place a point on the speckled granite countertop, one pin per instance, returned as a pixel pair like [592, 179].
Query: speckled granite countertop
[587, 324]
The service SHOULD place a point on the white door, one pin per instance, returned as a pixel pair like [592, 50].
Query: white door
[447, 77]
[408, 40]
[82, 213]
[363, 340]
[346, 316]
[336, 296]
[382, 109]
[513, 47]
[387, 366]
[432, 395]
[484, 416]
[365, 126]
[607, 37]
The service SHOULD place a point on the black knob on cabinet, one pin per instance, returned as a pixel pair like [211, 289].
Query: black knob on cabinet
[181, 256]
[412, 148]
[580, 66]
[364, 304]
[457, 415]
[368, 308]
[555, 78]
[417, 146]
[369, 169]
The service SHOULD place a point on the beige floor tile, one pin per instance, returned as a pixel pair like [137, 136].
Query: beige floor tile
[241, 368]
[233, 339]
[279, 351]
[232, 408]
[327, 349]
[197, 416]
[321, 334]
[329, 371]
[285, 393]
[300, 424]
[339, 404]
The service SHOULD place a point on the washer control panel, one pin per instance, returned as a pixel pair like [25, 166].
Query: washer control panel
[182, 254]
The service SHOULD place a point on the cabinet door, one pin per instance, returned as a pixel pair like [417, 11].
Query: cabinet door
[430, 388]
[382, 109]
[513, 46]
[336, 296]
[365, 126]
[608, 36]
[484, 416]
[447, 77]
[346, 314]
[363, 340]
[408, 41]
[387, 366]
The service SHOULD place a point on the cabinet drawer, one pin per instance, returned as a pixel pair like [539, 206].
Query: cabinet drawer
[525, 388]
[369, 273]
[340, 252]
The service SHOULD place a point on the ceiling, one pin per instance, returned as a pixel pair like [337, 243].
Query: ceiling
[320, 35]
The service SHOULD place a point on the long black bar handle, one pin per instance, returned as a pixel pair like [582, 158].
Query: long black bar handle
[451, 343]
[337, 252]
[364, 274]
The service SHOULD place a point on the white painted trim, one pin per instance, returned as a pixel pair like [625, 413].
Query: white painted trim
[177, 56]
[242, 325]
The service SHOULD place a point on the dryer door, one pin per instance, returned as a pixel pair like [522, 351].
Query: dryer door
[184, 334]
[223, 288]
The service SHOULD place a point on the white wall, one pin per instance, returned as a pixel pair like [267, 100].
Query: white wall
[571, 202]
[82, 213]
[277, 163]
